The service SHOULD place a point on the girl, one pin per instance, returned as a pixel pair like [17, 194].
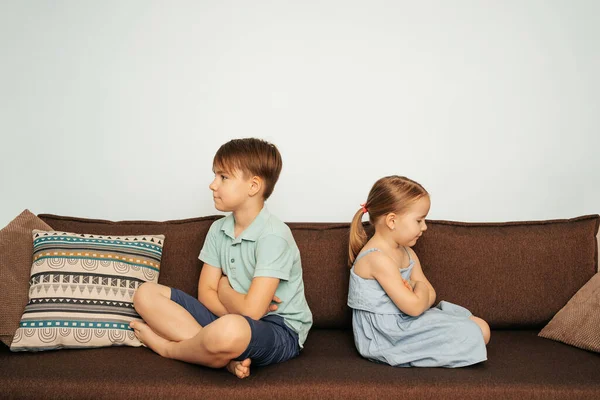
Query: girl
[390, 296]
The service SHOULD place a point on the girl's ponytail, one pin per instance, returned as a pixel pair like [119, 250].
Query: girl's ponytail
[389, 194]
[358, 236]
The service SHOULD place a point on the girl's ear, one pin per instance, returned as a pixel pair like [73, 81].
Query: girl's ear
[256, 185]
[390, 221]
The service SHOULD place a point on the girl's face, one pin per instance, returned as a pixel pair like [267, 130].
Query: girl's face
[410, 225]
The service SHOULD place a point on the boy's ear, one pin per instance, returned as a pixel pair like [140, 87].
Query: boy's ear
[256, 185]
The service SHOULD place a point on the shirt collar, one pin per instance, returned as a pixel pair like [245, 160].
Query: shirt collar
[251, 232]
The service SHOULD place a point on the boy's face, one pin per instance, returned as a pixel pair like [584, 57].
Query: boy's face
[230, 189]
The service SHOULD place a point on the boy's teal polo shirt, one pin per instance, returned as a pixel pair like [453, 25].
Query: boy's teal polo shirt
[266, 248]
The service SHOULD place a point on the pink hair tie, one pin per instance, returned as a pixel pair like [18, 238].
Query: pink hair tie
[364, 208]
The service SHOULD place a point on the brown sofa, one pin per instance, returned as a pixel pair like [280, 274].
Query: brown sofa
[514, 275]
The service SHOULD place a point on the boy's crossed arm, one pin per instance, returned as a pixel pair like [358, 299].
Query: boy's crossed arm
[215, 292]
[256, 303]
[208, 285]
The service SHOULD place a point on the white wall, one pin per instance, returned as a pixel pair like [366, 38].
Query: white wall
[114, 109]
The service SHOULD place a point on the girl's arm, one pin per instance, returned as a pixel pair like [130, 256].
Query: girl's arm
[386, 272]
[208, 285]
[417, 275]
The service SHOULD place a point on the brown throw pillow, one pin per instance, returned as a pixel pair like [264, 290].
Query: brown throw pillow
[16, 249]
[578, 322]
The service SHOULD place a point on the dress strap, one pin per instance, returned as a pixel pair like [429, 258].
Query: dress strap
[364, 253]
[407, 252]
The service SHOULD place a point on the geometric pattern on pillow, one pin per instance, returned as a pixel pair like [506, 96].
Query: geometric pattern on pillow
[81, 289]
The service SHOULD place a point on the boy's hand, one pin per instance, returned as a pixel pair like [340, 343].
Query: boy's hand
[224, 281]
[273, 307]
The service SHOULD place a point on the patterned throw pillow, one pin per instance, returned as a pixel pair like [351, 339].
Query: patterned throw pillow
[81, 289]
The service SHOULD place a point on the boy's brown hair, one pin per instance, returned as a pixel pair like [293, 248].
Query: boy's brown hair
[254, 157]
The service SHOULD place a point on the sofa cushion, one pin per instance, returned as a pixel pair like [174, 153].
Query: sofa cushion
[82, 288]
[15, 262]
[520, 365]
[578, 323]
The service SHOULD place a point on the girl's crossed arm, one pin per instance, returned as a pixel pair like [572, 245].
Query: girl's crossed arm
[413, 303]
[417, 275]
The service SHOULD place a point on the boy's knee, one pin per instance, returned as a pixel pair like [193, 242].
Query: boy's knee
[144, 294]
[233, 336]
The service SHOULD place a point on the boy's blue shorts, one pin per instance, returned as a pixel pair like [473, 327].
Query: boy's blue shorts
[271, 342]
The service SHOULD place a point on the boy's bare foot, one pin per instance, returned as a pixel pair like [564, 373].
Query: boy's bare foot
[149, 338]
[241, 369]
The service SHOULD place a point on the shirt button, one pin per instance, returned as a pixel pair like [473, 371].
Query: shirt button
[233, 260]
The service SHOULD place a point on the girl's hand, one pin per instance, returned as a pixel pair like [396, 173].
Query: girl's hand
[407, 284]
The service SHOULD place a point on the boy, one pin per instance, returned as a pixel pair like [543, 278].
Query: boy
[251, 305]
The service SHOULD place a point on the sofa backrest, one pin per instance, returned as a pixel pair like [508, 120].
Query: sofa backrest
[179, 267]
[516, 274]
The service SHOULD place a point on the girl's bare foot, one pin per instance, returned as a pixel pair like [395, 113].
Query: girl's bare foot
[149, 338]
[241, 369]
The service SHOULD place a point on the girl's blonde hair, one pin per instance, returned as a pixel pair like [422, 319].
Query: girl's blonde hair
[389, 194]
